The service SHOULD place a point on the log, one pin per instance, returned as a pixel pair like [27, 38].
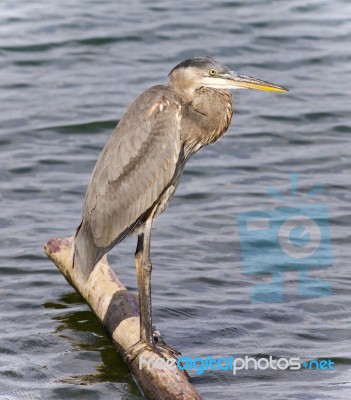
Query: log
[118, 311]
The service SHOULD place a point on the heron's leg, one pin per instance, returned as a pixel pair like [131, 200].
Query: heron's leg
[144, 287]
[139, 272]
[144, 269]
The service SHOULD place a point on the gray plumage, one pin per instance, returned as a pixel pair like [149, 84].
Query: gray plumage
[135, 167]
[140, 166]
[143, 157]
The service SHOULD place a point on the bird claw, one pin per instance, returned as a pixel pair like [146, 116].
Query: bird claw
[159, 342]
[157, 346]
[133, 351]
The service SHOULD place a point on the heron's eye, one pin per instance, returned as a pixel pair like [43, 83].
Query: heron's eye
[212, 72]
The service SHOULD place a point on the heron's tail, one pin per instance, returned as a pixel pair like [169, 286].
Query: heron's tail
[84, 253]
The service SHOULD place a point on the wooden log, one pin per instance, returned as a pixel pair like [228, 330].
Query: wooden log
[118, 311]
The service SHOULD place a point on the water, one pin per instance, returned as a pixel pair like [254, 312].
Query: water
[67, 73]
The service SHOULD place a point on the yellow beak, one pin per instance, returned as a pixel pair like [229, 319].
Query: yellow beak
[240, 81]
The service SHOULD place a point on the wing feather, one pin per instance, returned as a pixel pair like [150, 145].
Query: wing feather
[135, 167]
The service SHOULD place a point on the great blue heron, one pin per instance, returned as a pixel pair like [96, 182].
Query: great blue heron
[141, 164]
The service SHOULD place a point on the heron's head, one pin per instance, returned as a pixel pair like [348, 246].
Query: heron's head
[198, 72]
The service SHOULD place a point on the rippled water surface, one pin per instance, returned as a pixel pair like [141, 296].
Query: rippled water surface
[68, 70]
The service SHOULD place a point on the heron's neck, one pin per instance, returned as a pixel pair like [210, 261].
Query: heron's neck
[207, 118]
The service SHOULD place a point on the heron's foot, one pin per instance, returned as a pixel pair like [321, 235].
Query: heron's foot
[157, 346]
[160, 343]
[133, 351]
[173, 353]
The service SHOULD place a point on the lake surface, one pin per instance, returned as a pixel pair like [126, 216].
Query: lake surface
[68, 71]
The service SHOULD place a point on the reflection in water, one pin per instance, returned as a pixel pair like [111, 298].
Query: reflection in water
[87, 337]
